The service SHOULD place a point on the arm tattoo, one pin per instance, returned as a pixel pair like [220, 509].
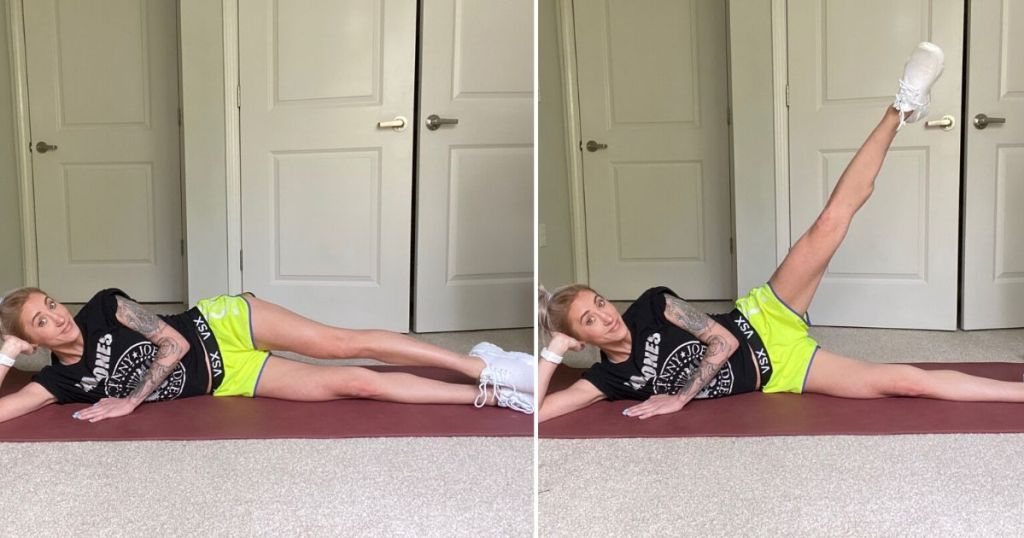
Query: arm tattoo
[158, 371]
[169, 350]
[685, 316]
[715, 357]
[137, 318]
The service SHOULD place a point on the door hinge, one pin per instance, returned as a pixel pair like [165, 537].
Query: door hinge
[787, 95]
[240, 260]
[182, 248]
[728, 115]
[581, 145]
[238, 96]
[180, 118]
[731, 245]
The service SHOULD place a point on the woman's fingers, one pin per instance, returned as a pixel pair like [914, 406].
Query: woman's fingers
[98, 411]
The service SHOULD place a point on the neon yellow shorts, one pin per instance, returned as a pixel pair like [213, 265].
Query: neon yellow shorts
[784, 334]
[228, 318]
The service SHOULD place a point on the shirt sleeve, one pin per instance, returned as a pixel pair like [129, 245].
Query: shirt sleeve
[105, 302]
[49, 382]
[607, 385]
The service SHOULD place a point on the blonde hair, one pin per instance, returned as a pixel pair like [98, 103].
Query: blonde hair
[10, 311]
[553, 308]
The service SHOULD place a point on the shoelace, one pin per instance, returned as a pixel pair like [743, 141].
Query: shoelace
[497, 379]
[909, 96]
[515, 403]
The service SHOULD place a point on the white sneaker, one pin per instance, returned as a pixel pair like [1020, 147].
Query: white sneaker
[923, 68]
[510, 377]
[506, 366]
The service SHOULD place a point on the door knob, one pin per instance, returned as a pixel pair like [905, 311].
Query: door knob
[981, 121]
[43, 147]
[593, 145]
[947, 123]
[397, 124]
[434, 122]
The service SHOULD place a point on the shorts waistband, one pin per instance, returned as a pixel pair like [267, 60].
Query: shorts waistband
[209, 341]
[759, 352]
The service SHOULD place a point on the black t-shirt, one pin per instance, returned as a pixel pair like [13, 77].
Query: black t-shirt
[664, 356]
[115, 357]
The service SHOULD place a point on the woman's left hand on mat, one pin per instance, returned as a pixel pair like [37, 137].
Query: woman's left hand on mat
[661, 404]
[106, 408]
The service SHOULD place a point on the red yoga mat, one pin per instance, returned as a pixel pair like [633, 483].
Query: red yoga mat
[757, 414]
[206, 417]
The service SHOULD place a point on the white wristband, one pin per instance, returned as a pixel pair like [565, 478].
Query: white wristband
[550, 356]
[6, 361]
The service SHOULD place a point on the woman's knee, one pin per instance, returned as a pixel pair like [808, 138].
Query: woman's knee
[352, 343]
[357, 382]
[903, 380]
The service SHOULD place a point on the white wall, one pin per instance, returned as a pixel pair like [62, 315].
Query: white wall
[10, 210]
[555, 259]
[202, 95]
[753, 140]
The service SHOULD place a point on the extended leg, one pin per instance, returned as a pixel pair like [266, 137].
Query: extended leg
[277, 328]
[292, 380]
[797, 278]
[836, 375]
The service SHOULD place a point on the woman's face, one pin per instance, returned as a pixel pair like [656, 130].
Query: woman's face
[595, 320]
[47, 323]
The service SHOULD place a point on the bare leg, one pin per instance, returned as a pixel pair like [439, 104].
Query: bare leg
[836, 375]
[277, 328]
[797, 278]
[292, 380]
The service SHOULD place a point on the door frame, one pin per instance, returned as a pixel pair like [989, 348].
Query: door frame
[780, 87]
[574, 158]
[23, 140]
[232, 145]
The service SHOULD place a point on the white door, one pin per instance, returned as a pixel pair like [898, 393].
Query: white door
[103, 89]
[898, 264]
[474, 240]
[993, 261]
[326, 192]
[653, 89]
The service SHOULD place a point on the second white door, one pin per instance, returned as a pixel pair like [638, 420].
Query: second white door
[474, 240]
[898, 264]
[104, 120]
[326, 191]
[653, 116]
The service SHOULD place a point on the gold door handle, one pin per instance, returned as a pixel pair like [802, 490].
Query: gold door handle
[397, 124]
[947, 123]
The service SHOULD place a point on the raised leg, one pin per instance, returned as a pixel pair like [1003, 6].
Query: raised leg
[836, 375]
[279, 329]
[292, 380]
[797, 278]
